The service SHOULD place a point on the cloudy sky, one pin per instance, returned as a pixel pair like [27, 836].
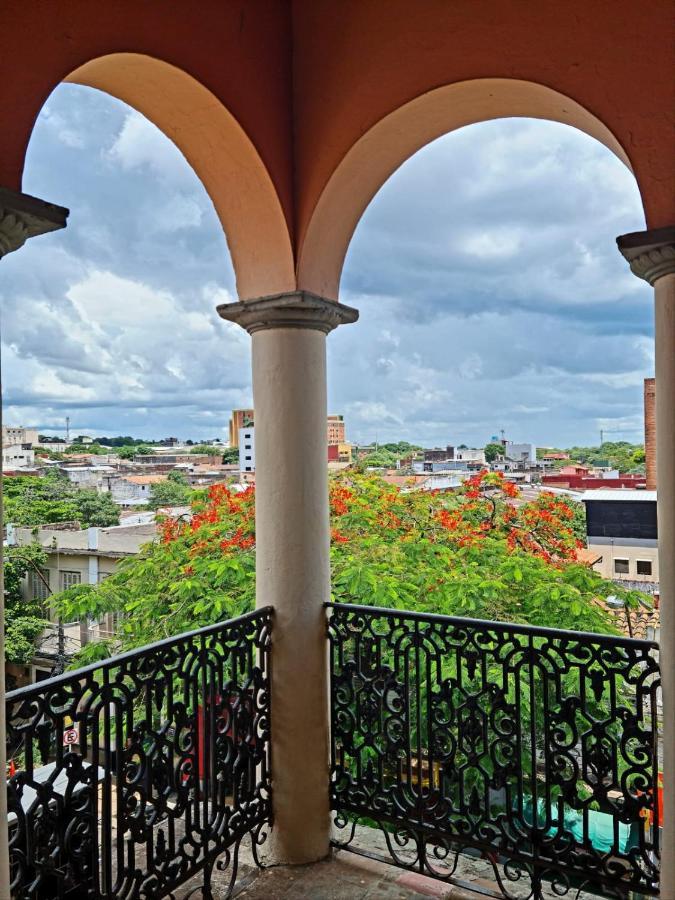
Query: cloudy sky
[491, 292]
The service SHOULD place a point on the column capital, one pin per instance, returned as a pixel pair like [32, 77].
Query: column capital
[296, 309]
[651, 254]
[23, 217]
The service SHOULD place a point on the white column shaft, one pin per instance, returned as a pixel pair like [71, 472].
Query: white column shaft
[664, 296]
[293, 576]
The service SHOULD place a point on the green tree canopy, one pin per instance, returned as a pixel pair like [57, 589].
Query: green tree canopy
[25, 620]
[173, 492]
[493, 451]
[474, 552]
[31, 500]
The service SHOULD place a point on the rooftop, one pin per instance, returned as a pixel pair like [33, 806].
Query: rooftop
[622, 494]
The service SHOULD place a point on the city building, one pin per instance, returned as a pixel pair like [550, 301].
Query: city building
[520, 453]
[74, 556]
[12, 435]
[246, 444]
[17, 456]
[245, 418]
[240, 418]
[341, 452]
[450, 459]
[336, 429]
[621, 525]
[130, 490]
[650, 432]
[586, 481]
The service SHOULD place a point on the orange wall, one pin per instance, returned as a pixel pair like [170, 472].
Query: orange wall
[357, 60]
[306, 78]
[239, 49]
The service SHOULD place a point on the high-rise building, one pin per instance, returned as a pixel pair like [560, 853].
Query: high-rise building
[650, 432]
[336, 429]
[240, 418]
[246, 445]
[244, 418]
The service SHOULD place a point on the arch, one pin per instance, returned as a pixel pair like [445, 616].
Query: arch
[396, 137]
[221, 154]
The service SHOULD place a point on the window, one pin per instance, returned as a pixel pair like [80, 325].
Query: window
[70, 579]
[644, 566]
[247, 457]
[39, 584]
[621, 567]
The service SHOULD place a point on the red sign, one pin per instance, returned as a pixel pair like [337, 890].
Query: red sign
[71, 736]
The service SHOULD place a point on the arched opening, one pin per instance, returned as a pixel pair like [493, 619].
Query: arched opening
[395, 138]
[112, 322]
[221, 154]
[492, 296]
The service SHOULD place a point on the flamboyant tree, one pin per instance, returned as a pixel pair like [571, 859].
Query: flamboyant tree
[480, 551]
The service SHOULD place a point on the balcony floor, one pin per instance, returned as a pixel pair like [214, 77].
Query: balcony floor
[349, 877]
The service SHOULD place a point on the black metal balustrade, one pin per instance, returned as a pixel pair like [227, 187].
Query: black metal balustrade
[533, 750]
[134, 775]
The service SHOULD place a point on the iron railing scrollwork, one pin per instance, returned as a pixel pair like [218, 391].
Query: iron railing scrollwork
[136, 774]
[533, 750]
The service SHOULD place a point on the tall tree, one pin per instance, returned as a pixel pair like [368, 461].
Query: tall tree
[480, 552]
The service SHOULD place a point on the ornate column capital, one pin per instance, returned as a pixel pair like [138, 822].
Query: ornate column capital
[651, 254]
[296, 309]
[23, 217]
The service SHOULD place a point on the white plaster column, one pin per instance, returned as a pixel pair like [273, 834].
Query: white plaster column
[651, 255]
[21, 217]
[292, 549]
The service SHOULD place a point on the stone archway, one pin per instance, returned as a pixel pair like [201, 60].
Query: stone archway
[395, 138]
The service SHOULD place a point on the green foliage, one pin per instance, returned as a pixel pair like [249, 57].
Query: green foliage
[95, 449]
[172, 492]
[121, 441]
[621, 455]
[208, 448]
[230, 455]
[24, 619]
[471, 553]
[31, 500]
[578, 523]
[493, 451]
[130, 450]
[46, 453]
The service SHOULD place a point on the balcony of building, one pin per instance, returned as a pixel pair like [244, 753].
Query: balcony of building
[465, 758]
[447, 747]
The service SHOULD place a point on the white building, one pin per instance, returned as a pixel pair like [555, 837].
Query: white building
[17, 456]
[621, 527]
[17, 434]
[247, 449]
[470, 455]
[74, 556]
[525, 453]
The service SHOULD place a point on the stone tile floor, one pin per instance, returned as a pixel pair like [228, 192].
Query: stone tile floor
[348, 877]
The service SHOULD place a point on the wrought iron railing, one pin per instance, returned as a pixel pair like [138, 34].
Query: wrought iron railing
[534, 751]
[134, 775]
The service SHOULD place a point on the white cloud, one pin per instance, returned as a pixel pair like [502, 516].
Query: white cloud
[491, 292]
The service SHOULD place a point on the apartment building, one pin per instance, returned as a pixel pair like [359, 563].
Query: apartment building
[240, 418]
[245, 419]
[74, 556]
[246, 444]
[621, 526]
